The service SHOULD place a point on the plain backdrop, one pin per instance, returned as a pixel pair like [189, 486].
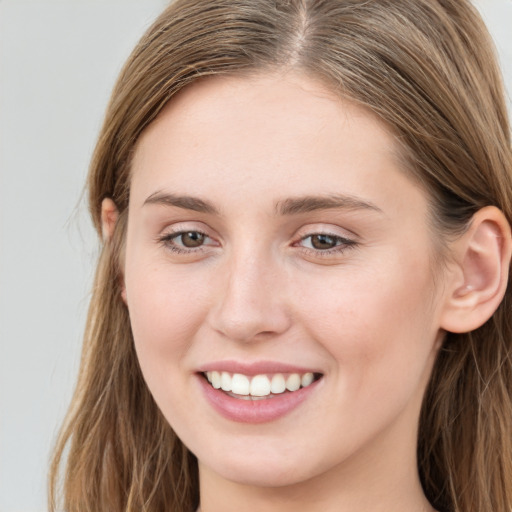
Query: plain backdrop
[58, 62]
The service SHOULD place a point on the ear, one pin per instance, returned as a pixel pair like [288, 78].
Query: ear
[109, 215]
[479, 276]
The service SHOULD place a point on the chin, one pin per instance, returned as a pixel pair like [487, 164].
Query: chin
[262, 471]
[258, 476]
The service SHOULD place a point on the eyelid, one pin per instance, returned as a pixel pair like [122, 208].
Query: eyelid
[326, 229]
[186, 227]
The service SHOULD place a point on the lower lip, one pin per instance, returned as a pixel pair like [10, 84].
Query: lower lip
[255, 411]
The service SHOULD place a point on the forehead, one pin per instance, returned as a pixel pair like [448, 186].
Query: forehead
[306, 107]
[279, 134]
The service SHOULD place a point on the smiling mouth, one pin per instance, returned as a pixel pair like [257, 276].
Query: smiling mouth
[259, 387]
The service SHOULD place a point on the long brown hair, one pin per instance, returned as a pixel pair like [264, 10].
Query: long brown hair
[427, 68]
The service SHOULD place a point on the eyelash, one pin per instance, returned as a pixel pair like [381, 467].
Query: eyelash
[167, 241]
[342, 244]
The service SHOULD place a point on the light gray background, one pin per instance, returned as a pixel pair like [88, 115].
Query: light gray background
[58, 62]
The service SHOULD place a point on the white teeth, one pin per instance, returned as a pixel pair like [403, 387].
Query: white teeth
[293, 382]
[240, 384]
[307, 379]
[259, 385]
[278, 384]
[215, 379]
[225, 381]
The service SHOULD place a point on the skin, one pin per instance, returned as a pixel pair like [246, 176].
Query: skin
[367, 314]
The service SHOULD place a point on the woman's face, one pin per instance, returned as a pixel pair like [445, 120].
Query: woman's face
[273, 241]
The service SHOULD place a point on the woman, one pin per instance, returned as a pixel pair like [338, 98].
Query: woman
[303, 297]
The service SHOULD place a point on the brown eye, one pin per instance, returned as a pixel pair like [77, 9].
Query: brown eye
[191, 239]
[323, 242]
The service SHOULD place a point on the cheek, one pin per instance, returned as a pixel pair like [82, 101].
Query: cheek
[165, 313]
[377, 325]
[166, 309]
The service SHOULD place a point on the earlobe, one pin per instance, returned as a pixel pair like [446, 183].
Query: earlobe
[109, 215]
[482, 264]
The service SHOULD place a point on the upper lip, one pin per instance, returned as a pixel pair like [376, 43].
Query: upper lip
[254, 368]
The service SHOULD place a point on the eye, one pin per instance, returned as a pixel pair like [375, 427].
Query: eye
[321, 242]
[322, 245]
[325, 242]
[186, 241]
[190, 239]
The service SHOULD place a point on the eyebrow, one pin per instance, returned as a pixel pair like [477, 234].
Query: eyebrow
[290, 206]
[305, 204]
[186, 202]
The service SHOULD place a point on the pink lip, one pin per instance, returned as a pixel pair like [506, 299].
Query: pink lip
[255, 368]
[254, 411]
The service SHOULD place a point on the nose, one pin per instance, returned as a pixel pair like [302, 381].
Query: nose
[251, 304]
